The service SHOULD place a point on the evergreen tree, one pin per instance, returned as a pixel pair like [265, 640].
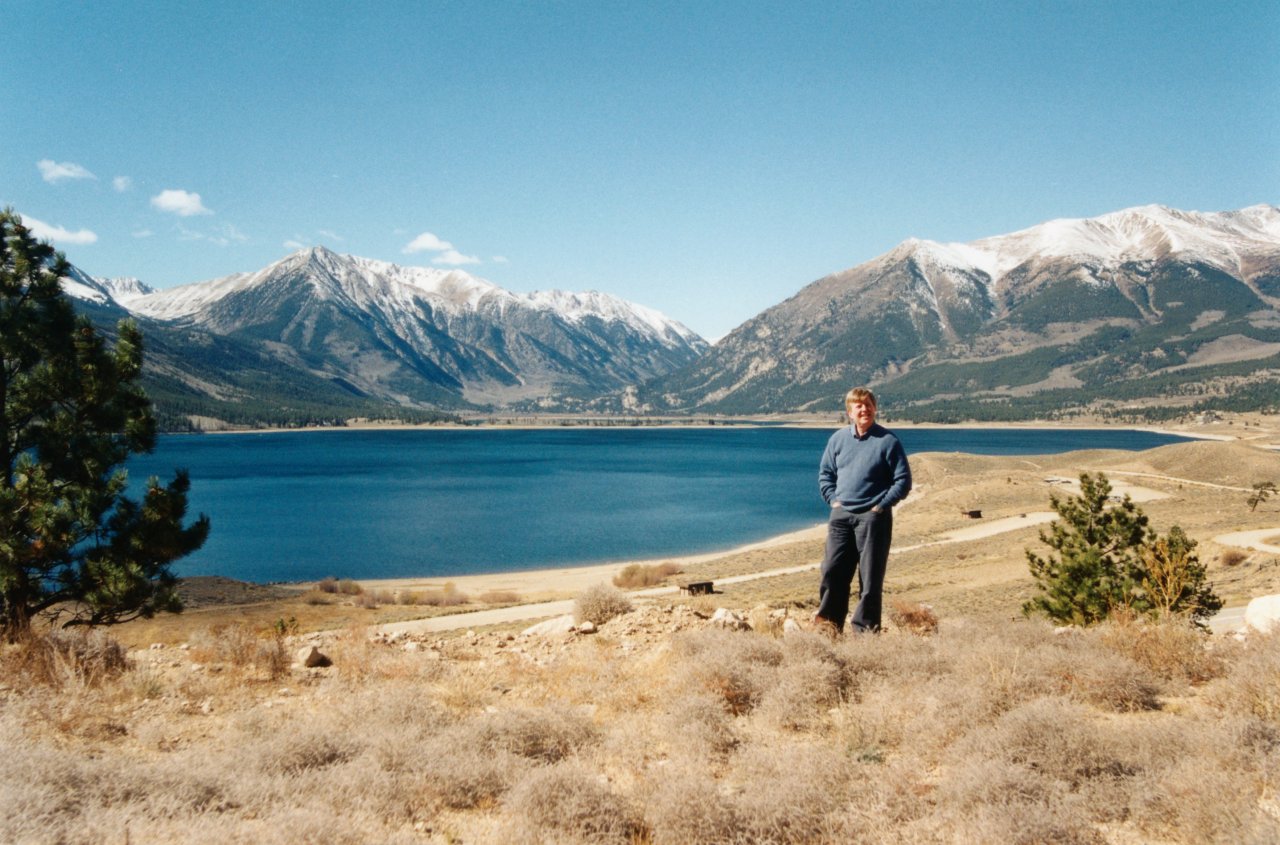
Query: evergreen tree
[1175, 578]
[1108, 559]
[72, 545]
[1098, 567]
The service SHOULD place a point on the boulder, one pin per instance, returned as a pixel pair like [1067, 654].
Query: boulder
[725, 618]
[550, 627]
[1263, 613]
[311, 657]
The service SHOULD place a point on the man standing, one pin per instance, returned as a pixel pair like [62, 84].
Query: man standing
[864, 473]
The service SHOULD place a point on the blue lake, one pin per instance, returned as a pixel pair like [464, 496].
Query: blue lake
[291, 506]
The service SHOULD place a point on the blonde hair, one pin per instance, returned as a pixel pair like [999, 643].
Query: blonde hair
[859, 394]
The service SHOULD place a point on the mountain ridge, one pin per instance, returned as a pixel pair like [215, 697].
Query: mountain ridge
[1070, 305]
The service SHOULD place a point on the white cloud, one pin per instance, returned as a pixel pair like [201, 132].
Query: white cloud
[453, 258]
[143, 233]
[500, 259]
[59, 171]
[58, 234]
[121, 184]
[227, 234]
[333, 236]
[426, 242]
[295, 245]
[181, 203]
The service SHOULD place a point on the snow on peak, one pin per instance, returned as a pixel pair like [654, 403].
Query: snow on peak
[577, 306]
[1135, 234]
[125, 289]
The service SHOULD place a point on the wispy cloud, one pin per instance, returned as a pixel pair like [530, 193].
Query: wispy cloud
[60, 171]
[426, 242]
[227, 235]
[181, 203]
[223, 235]
[500, 259]
[293, 244]
[453, 258]
[142, 233]
[121, 184]
[58, 234]
[333, 236]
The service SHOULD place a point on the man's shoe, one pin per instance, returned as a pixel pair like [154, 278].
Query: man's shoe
[825, 627]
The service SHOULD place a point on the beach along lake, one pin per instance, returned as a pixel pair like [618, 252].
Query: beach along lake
[364, 504]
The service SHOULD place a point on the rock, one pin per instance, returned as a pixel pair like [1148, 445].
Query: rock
[725, 618]
[790, 626]
[1263, 613]
[587, 627]
[550, 627]
[311, 657]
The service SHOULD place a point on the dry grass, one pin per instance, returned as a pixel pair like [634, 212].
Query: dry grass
[660, 729]
[1003, 732]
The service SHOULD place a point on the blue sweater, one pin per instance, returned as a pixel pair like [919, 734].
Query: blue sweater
[864, 472]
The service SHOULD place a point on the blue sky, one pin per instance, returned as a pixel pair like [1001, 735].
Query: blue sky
[707, 159]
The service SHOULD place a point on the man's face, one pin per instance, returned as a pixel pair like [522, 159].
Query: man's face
[862, 414]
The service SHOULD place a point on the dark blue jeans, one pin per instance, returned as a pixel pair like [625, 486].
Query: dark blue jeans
[856, 542]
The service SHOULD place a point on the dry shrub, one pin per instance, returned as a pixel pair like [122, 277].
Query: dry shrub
[1056, 738]
[447, 596]
[645, 575]
[734, 667]
[914, 617]
[367, 601]
[347, 587]
[686, 807]
[1201, 780]
[328, 584]
[599, 604]
[316, 598]
[1113, 681]
[500, 597]
[1252, 686]
[64, 658]
[1233, 557]
[698, 724]
[545, 735]
[787, 794]
[1174, 649]
[986, 801]
[567, 803]
[299, 750]
[804, 692]
[236, 645]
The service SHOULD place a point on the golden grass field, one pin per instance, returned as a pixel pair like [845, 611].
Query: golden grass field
[663, 728]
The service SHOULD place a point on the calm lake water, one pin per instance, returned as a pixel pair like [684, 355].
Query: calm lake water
[291, 506]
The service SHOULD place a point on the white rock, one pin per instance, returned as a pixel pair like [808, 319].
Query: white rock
[725, 618]
[790, 626]
[587, 627]
[311, 657]
[1263, 613]
[550, 627]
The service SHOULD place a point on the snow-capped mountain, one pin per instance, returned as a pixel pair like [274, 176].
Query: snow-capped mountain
[1134, 304]
[424, 336]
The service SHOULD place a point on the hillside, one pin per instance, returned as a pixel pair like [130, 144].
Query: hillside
[1142, 308]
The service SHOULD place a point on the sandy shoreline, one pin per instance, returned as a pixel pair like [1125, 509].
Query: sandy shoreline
[533, 584]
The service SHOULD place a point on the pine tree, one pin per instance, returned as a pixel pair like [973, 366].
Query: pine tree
[1098, 567]
[73, 547]
[1108, 559]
